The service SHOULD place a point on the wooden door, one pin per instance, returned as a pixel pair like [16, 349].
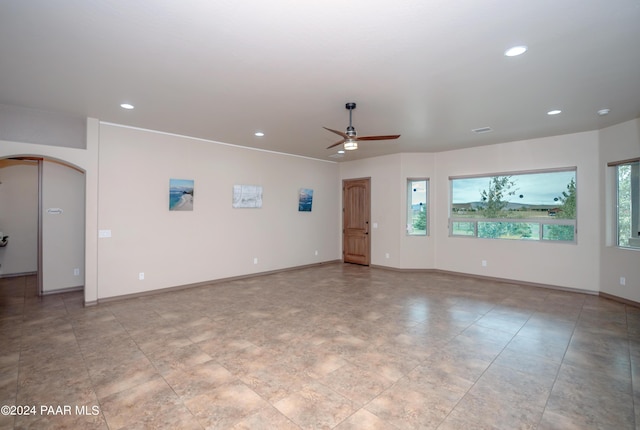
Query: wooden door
[356, 208]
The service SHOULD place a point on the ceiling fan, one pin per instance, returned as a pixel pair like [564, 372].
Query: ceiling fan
[350, 138]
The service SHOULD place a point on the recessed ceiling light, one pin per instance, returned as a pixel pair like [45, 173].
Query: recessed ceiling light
[126, 106]
[603, 112]
[341, 151]
[554, 112]
[259, 133]
[515, 51]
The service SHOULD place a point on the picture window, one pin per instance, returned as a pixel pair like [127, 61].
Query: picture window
[533, 206]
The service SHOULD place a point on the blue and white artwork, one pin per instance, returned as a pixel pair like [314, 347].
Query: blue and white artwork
[180, 194]
[247, 196]
[305, 200]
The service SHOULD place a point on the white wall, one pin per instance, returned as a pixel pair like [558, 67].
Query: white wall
[418, 252]
[617, 143]
[389, 176]
[19, 216]
[563, 265]
[213, 241]
[386, 205]
[86, 160]
[63, 211]
[228, 240]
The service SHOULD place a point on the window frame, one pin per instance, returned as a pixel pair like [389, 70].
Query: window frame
[541, 222]
[409, 210]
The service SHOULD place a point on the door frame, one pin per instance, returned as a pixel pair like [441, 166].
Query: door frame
[366, 261]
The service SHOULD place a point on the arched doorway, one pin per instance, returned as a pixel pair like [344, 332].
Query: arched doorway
[59, 225]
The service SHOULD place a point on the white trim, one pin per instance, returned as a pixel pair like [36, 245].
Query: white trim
[200, 139]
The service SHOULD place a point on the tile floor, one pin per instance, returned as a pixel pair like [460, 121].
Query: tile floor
[328, 347]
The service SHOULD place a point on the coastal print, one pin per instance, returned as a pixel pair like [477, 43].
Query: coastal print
[180, 194]
[247, 196]
[305, 199]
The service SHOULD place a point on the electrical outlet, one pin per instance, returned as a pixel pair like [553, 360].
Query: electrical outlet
[386, 255]
[623, 280]
[484, 263]
[141, 276]
[76, 272]
[255, 260]
[316, 252]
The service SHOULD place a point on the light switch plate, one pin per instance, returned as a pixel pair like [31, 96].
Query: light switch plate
[104, 233]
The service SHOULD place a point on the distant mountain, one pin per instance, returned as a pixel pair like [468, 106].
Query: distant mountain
[510, 206]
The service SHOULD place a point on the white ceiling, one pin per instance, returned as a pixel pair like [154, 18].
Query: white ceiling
[430, 70]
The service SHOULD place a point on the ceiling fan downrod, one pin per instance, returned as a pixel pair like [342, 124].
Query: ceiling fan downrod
[351, 132]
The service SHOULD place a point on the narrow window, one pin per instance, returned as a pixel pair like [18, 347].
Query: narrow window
[417, 207]
[628, 204]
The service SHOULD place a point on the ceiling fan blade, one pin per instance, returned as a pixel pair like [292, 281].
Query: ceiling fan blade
[339, 133]
[336, 144]
[389, 137]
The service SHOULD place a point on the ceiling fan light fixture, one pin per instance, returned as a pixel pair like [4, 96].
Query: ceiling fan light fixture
[350, 139]
[350, 145]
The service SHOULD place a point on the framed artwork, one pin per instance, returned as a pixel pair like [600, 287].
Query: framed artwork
[305, 199]
[181, 194]
[247, 196]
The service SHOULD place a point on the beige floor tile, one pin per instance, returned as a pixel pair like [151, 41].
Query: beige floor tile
[496, 412]
[152, 404]
[589, 399]
[198, 379]
[61, 387]
[113, 376]
[62, 422]
[8, 382]
[225, 406]
[333, 346]
[405, 408]
[429, 378]
[276, 381]
[528, 363]
[541, 346]
[177, 358]
[356, 384]
[460, 361]
[266, 418]
[363, 420]
[315, 407]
